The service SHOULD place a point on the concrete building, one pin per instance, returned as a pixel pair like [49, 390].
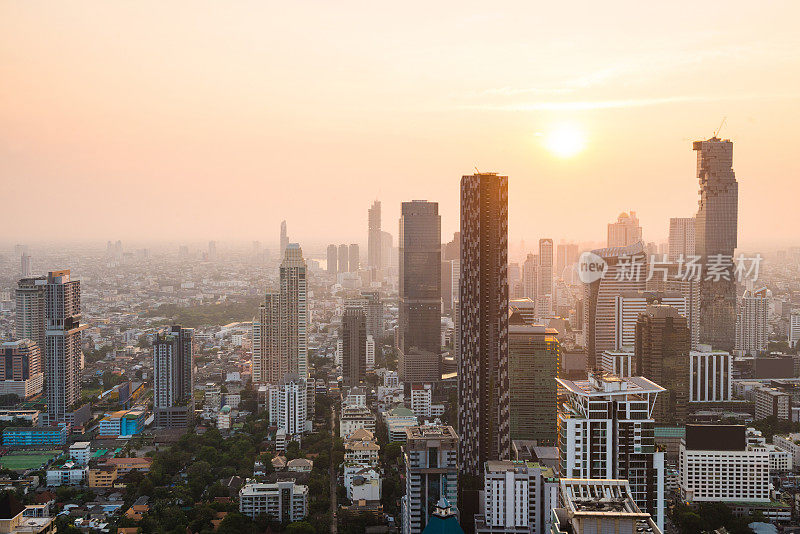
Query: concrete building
[681, 238]
[344, 259]
[374, 236]
[21, 369]
[626, 231]
[284, 239]
[629, 305]
[294, 312]
[29, 320]
[546, 272]
[794, 328]
[752, 328]
[710, 373]
[284, 501]
[354, 346]
[353, 418]
[618, 362]
[287, 406]
[332, 260]
[772, 402]
[421, 399]
[354, 259]
[173, 380]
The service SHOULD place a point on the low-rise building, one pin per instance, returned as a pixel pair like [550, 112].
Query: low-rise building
[103, 476]
[284, 501]
[361, 447]
[353, 418]
[123, 423]
[80, 452]
[23, 436]
[67, 474]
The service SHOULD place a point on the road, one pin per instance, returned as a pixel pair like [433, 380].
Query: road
[332, 473]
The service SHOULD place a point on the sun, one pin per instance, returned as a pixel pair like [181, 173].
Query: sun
[565, 141]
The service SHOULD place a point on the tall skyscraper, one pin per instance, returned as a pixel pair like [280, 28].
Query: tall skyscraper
[752, 328]
[212, 250]
[566, 254]
[25, 268]
[374, 245]
[663, 343]
[354, 346]
[715, 240]
[626, 231]
[173, 382]
[534, 360]
[545, 266]
[333, 260]
[344, 258]
[30, 314]
[387, 248]
[268, 366]
[419, 323]
[483, 396]
[354, 260]
[284, 239]
[530, 277]
[681, 238]
[293, 320]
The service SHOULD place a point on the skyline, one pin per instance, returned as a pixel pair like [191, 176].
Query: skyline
[214, 109]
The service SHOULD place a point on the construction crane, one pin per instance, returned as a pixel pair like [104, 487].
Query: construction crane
[716, 132]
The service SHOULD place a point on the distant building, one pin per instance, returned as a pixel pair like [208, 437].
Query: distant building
[344, 258]
[710, 373]
[287, 405]
[772, 402]
[752, 328]
[794, 328]
[626, 231]
[35, 436]
[618, 362]
[421, 395]
[681, 238]
[332, 264]
[374, 236]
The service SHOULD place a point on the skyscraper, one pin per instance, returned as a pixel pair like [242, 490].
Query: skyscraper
[752, 328]
[374, 245]
[534, 360]
[715, 240]
[63, 341]
[566, 254]
[344, 258]
[293, 307]
[25, 269]
[626, 231]
[212, 250]
[681, 238]
[530, 277]
[268, 366]
[173, 383]
[483, 415]
[30, 315]
[419, 320]
[284, 239]
[545, 276]
[354, 259]
[354, 346]
[663, 343]
[333, 260]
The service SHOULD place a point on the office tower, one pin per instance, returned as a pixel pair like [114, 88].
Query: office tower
[452, 250]
[371, 303]
[354, 346]
[431, 464]
[173, 383]
[419, 320]
[534, 358]
[715, 240]
[353, 261]
[483, 414]
[662, 356]
[387, 246]
[530, 277]
[517, 498]
[30, 311]
[681, 238]
[545, 267]
[689, 290]
[710, 375]
[566, 255]
[606, 432]
[333, 260]
[268, 366]
[794, 328]
[25, 270]
[287, 405]
[374, 245]
[599, 320]
[63, 344]
[628, 305]
[344, 258]
[293, 308]
[514, 280]
[717, 465]
[450, 276]
[752, 328]
[212, 250]
[600, 506]
[284, 239]
[21, 369]
[626, 231]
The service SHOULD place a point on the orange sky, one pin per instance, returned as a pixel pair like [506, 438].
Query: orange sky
[215, 120]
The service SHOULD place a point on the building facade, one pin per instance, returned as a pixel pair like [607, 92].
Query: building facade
[354, 346]
[173, 380]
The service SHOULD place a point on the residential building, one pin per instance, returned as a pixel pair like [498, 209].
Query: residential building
[268, 367]
[363, 484]
[370, 356]
[29, 321]
[287, 406]
[123, 423]
[332, 262]
[794, 328]
[354, 260]
[173, 380]
[21, 369]
[102, 476]
[546, 270]
[293, 312]
[80, 452]
[66, 474]
[353, 418]
[483, 382]
[421, 398]
[772, 402]
[791, 444]
[374, 236]
[344, 259]
[681, 238]
[752, 328]
[361, 447]
[284, 501]
[354, 346]
[626, 231]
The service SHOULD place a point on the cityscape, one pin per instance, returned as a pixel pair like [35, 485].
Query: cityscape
[218, 322]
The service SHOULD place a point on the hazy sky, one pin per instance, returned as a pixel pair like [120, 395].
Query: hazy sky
[215, 120]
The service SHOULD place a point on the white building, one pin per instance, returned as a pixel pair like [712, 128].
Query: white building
[772, 402]
[224, 418]
[370, 365]
[356, 397]
[80, 452]
[287, 406]
[361, 448]
[421, 396]
[68, 474]
[794, 328]
[752, 328]
[284, 501]
[618, 362]
[710, 375]
[791, 444]
[681, 238]
[628, 305]
[354, 418]
[391, 379]
[364, 484]
[717, 465]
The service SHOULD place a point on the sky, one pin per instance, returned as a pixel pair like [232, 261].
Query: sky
[217, 120]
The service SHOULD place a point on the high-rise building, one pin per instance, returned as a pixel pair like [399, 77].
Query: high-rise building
[483, 396]
[353, 258]
[605, 431]
[530, 277]
[332, 266]
[344, 258]
[715, 241]
[21, 368]
[794, 328]
[284, 239]
[546, 267]
[419, 319]
[371, 303]
[566, 255]
[626, 231]
[387, 247]
[268, 366]
[30, 311]
[354, 346]
[173, 382]
[374, 236]
[629, 305]
[599, 322]
[534, 359]
[690, 291]
[710, 373]
[63, 344]
[662, 356]
[212, 250]
[293, 319]
[681, 238]
[452, 250]
[26, 270]
[431, 464]
[752, 328]
[514, 280]
[287, 405]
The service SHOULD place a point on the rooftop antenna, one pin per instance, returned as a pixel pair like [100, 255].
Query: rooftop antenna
[476, 170]
[716, 132]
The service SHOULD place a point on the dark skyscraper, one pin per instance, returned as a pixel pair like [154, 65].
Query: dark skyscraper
[374, 244]
[333, 260]
[663, 342]
[354, 346]
[419, 323]
[715, 240]
[172, 377]
[483, 394]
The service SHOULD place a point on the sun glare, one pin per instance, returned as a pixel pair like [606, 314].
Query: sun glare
[565, 141]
